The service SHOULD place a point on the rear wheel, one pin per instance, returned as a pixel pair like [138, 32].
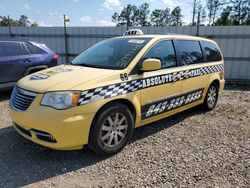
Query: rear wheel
[211, 97]
[111, 130]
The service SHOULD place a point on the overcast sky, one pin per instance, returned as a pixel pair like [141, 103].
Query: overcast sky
[81, 12]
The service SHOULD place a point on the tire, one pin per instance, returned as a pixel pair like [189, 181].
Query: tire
[211, 97]
[111, 129]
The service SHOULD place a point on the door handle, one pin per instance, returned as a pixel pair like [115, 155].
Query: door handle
[27, 60]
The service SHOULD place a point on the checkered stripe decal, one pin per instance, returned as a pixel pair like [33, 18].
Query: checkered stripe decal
[109, 91]
[202, 71]
[211, 69]
[113, 90]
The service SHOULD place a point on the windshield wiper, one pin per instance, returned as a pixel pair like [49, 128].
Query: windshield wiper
[95, 66]
[87, 65]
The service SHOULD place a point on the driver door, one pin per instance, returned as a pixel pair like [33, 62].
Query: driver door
[159, 86]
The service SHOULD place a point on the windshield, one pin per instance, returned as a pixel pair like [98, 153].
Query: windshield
[114, 53]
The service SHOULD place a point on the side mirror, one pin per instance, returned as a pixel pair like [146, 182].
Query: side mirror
[151, 65]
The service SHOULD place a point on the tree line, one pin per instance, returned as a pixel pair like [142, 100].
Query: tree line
[131, 15]
[23, 21]
[213, 12]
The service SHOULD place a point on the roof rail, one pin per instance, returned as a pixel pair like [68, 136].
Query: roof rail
[177, 34]
[170, 34]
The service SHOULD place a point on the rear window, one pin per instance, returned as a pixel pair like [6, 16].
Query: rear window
[34, 49]
[189, 51]
[211, 51]
[10, 49]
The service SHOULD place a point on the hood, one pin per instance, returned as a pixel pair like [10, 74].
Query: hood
[62, 77]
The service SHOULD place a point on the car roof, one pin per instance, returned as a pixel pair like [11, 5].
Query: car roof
[168, 36]
[15, 40]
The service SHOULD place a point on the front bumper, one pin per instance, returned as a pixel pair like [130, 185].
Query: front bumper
[63, 129]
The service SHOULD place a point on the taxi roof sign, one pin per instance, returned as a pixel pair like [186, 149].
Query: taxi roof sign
[133, 32]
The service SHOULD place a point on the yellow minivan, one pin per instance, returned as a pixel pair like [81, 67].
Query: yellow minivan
[115, 86]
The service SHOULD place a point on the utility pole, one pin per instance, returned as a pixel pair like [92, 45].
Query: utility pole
[10, 34]
[198, 23]
[127, 17]
[194, 11]
[65, 20]
[248, 17]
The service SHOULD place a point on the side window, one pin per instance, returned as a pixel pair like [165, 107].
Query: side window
[211, 51]
[163, 51]
[189, 51]
[10, 49]
[34, 49]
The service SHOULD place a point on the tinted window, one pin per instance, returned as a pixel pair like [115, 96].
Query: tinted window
[34, 49]
[10, 49]
[190, 52]
[114, 53]
[211, 51]
[24, 50]
[163, 51]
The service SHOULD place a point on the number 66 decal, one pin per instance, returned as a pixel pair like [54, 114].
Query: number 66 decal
[124, 76]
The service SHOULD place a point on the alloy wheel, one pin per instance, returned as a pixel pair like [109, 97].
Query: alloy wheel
[114, 129]
[212, 96]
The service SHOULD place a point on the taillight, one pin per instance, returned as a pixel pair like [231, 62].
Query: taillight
[221, 74]
[56, 57]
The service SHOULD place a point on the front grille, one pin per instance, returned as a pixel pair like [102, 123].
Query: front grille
[24, 131]
[21, 99]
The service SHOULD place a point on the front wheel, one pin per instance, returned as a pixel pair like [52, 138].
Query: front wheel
[111, 130]
[211, 97]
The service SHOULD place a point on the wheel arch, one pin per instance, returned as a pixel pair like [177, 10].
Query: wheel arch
[205, 102]
[34, 69]
[217, 82]
[214, 79]
[125, 102]
[93, 142]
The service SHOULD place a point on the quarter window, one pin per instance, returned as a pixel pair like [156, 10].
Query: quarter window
[33, 49]
[24, 50]
[190, 52]
[163, 51]
[211, 51]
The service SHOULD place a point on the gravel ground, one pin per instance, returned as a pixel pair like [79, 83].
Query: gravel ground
[191, 149]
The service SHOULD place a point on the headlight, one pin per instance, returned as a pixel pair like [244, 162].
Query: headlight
[61, 100]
